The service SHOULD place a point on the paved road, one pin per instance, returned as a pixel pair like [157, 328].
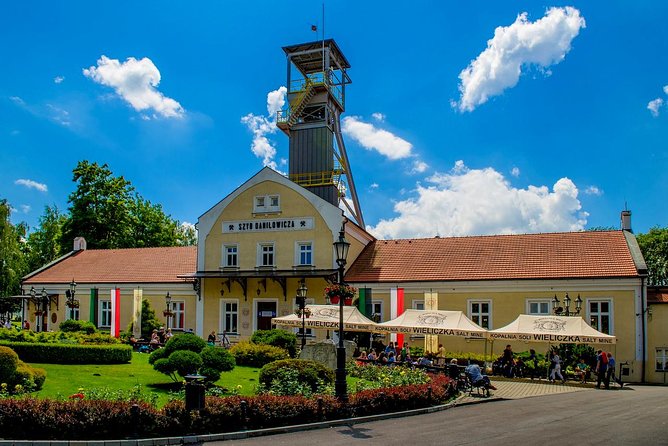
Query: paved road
[635, 415]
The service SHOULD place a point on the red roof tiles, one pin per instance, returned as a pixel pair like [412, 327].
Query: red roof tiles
[657, 295]
[501, 257]
[137, 265]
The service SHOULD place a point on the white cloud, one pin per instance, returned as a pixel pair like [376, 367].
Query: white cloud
[372, 138]
[58, 79]
[30, 184]
[261, 126]
[665, 89]
[378, 117]
[25, 208]
[654, 106]
[542, 43]
[59, 115]
[593, 190]
[419, 166]
[373, 186]
[135, 81]
[515, 171]
[17, 100]
[481, 201]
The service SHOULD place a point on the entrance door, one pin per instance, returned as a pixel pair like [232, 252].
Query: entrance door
[265, 311]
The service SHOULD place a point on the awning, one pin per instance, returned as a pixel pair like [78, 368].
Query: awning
[552, 329]
[326, 317]
[433, 322]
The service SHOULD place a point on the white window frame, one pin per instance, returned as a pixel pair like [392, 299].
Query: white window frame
[298, 252]
[416, 303]
[178, 312]
[471, 315]
[225, 255]
[539, 301]
[255, 302]
[261, 252]
[262, 204]
[310, 334]
[72, 313]
[381, 305]
[223, 316]
[102, 310]
[661, 355]
[610, 314]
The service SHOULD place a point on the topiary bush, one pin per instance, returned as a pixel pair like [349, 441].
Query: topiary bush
[72, 325]
[188, 354]
[278, 338]
[309, 373]
[184, 342]
[185, 362]
[16, 375]
[257, 355]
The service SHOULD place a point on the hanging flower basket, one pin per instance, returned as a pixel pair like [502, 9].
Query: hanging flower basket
[74, 304]
[167, 313]
[39, 313]
[337, 291]
[306, 312]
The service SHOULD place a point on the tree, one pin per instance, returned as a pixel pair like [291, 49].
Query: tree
[44, 244]
[13, 265]
[654, 247]
[150, 226]
[186, 235]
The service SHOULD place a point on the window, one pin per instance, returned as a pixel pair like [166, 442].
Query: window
[418, 304]
[266, 254]
[105, 313]
[73, 313]
[304, 253]
[178, 321]
[230, 256]
[600, 315]
[662, 359]
[538, 306]
[480, 312]
[267, 203]
[230, 315]
[377, 310]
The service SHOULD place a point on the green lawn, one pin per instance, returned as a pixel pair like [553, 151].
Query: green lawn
[65, 380]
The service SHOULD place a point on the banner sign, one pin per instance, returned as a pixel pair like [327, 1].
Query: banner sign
[328, 325]
[555, 338]
[429, 331]
[268, 225]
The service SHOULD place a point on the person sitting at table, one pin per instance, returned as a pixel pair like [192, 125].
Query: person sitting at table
[391, 359]
[382, 358]
[371, 356]
[362, 359]
[423, 361]
[474, 372]
[582, 371]
[211, 340]
[155, 340]
[453, 369]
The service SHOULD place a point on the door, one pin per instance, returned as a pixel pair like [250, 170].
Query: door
[265, 311]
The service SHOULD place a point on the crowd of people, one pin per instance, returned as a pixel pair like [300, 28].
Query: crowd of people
[393, 355]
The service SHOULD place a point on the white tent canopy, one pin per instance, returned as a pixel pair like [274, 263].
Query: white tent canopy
[326, 317]
[552, 329]
[433, 322]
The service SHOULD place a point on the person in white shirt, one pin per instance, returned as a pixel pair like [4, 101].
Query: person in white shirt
[556, 370]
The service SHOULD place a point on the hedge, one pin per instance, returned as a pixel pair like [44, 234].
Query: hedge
[257, 355]
[32, 419]
[71, 353]
[311, 373]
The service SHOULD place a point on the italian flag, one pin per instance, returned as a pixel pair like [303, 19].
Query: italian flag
[116, 312]
[396, 310]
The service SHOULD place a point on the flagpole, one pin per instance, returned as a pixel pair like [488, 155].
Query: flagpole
[323, 41]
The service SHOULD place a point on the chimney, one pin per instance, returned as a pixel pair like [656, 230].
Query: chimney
[626, 221]
[79, 244]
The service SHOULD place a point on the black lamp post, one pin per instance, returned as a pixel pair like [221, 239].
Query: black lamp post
[168, 312]
[341, 389]
[70, 294]
[301, 301]
[561, 311]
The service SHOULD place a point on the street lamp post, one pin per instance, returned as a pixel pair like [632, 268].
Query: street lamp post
[70, 294]
[301, 301]
[341, 389]
[561, 311]
[168, 312]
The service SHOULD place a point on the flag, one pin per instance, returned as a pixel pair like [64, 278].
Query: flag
[314, 28]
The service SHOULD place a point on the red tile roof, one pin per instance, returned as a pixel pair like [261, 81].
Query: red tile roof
[529, 256]
[657, 295]
[137, 265]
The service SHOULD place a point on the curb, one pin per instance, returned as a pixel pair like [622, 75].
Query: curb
[199, 439]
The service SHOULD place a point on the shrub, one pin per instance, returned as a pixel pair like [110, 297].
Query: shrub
[157, 354]
[257, 355]
[9, 360]
[309, 373]
[71, 353]
[218, 358]
[31, 378]
[278, 338]
[163, 365]
[72, 325]
[148, 320]
[184, 342]
[16, 375]
[58, 337]
[185, 362]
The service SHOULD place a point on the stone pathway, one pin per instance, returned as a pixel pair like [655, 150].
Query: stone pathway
[523, 388]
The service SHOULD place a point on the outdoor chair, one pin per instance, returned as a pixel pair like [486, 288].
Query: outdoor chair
[480, 387]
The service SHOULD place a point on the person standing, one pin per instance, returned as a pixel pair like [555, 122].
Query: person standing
[556, 368]
[611, 370]
[533, 360]
[602, 369]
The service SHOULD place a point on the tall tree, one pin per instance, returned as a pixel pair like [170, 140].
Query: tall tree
[654, 247]
[13, 265]
[150, 226]
[44, 243]
[187, 235]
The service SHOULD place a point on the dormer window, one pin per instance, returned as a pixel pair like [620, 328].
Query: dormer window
[264, 204]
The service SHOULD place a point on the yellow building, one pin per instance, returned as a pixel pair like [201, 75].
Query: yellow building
[657, 329]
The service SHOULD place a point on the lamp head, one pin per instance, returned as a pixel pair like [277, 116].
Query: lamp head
[341, 246]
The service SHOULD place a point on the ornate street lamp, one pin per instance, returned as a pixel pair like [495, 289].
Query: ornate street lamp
[561, 311]
[168, 311]
[301, 301]
[70, 294]
[341, 389]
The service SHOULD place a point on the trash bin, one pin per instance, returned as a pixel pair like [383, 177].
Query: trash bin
[195, 389]
[624, 369]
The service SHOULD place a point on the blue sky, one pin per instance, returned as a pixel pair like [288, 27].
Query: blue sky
[551, 124]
